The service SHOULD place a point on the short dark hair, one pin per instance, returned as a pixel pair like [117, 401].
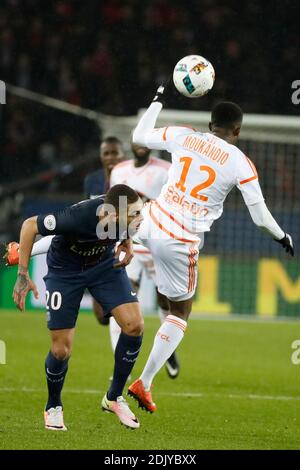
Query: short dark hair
[112, 140]
[113, 195]
[226, 115]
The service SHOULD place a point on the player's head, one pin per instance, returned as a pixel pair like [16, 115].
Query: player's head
[226, 121]
[111, 153]
[127, 204]
[141, 154]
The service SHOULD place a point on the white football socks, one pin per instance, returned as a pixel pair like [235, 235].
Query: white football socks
[114, 331]
[166, 341]
[42, 245]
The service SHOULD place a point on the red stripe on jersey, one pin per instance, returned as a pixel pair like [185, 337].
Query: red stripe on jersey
[249, 179]
[165, 134]
[252, 166]
[164, 229]
[192, 275]
[172, 217]
[254, 171]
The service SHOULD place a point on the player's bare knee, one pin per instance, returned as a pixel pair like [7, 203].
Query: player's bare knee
[134, 328]
[61, 351]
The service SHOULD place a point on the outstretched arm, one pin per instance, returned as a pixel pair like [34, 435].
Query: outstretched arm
[247, 182]
[263, 218]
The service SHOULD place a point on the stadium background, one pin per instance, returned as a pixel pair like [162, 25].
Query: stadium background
[109, 57]
[238, 386]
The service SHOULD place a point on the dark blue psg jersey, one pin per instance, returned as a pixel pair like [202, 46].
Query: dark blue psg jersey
[79, 240]
[95, 184]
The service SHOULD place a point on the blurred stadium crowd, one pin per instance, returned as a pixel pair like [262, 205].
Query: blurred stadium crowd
[110, 56]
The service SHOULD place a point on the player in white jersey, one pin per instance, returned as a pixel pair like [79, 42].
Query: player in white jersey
[205, 167]
[147, 175]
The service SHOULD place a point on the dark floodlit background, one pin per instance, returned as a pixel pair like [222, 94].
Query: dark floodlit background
[109, 56]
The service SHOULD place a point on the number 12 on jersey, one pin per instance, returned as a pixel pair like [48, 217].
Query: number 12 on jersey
[211, 176]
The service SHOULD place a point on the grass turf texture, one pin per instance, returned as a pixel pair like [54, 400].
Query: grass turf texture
[237, 389]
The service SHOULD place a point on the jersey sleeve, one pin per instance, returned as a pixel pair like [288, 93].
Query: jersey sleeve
[247, 181]
[161, 138]
[59, 223]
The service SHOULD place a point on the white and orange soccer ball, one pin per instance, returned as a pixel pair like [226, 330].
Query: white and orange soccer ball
[193, 76]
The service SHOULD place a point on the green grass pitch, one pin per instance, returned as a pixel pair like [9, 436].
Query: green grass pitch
[238, 388]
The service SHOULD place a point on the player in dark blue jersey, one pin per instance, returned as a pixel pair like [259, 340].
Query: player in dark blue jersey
[82, 256]
[96, 183]
[111, 153]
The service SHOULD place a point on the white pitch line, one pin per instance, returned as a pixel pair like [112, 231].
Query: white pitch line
[234, 396]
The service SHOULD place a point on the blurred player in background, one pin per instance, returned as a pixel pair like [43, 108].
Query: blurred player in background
[111, 153]
[82, 256]
[205, 167]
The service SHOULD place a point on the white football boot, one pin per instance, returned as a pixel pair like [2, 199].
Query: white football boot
[54, 419]
[120, 408]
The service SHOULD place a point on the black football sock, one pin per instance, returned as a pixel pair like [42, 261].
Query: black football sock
[56, 371]
[126, 353]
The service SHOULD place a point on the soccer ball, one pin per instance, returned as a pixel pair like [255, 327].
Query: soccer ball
[193, 76]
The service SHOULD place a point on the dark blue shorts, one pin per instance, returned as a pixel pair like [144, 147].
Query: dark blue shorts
[65, 288]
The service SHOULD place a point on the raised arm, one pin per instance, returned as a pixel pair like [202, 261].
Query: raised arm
[146, 124]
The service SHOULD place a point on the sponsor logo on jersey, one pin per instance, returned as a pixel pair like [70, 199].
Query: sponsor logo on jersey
[172, 197]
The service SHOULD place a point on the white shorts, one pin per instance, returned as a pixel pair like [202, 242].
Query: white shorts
[142, 262]
[175, 259]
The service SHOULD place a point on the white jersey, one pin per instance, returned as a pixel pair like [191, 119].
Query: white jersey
[147, 180]
[204, 169]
